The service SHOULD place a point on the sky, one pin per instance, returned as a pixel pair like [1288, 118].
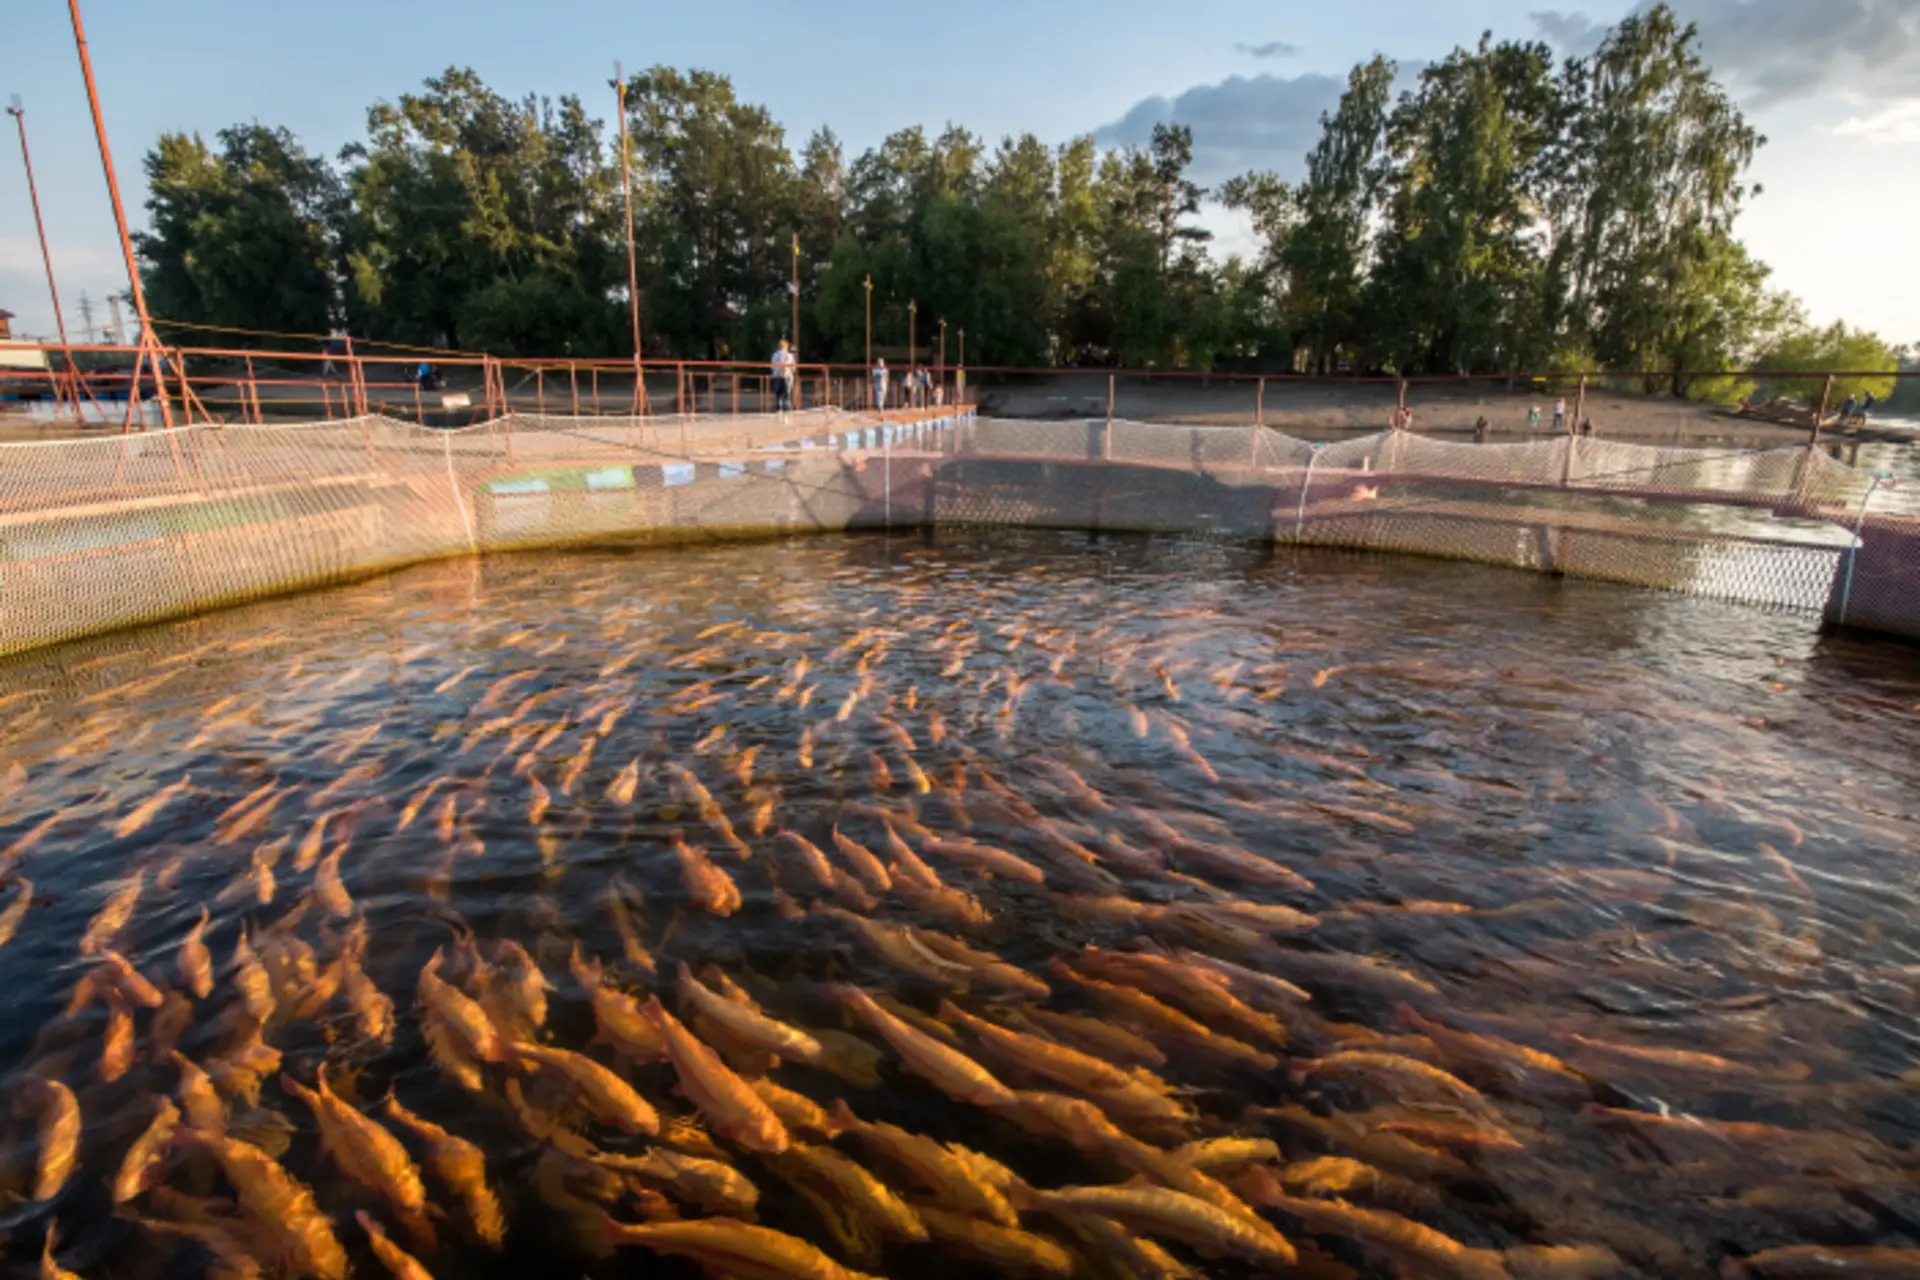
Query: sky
[1834, 84]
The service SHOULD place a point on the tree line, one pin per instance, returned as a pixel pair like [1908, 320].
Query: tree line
[1508, 212]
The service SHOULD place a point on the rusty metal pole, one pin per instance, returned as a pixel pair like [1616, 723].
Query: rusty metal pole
[1400, 406]
[795, 286]
[1820, 414]
[1579, 407]
[913, 350]
[1260, 403]
[149, 347]
[869, 378]
[61, 380]
[573, 385]
[633, 263]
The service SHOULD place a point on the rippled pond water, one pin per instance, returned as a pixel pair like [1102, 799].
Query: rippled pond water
[1530, 928]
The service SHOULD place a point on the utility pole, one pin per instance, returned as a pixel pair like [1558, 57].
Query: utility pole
[940, 364]
[119, 327]
[913, 349]
[149, 344]
[960, 383]
[794, 289]
[870, 342]
[19, 114]
[86, 316]
[633, 266]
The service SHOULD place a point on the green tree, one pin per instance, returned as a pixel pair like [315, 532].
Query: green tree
[469, 208]
[1456, 260]
[1324, 258]
[1657, 154]
[244, 238]
[1836, 347]
[717, 189]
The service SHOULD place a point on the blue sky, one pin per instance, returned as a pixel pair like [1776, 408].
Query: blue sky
[1835, 84]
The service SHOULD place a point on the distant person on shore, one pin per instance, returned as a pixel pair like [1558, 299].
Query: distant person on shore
[1846, 412]
[1482, 430]
[1560, 414]
[1866, 407]
[1533, 417]
[1586, 425]
[880, 385]
[783, 379]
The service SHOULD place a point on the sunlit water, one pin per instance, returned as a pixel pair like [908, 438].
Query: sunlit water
[1568, 815]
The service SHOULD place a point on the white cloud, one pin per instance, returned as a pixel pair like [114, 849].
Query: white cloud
[1898, 125]
[1244, 122]
[1270, 49]
[1776, 51]
[1241, 123]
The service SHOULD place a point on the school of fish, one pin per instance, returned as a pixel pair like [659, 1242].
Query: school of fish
[790, 913]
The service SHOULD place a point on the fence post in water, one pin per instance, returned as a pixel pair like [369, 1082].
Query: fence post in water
[573, 385]
[1306, 486]
[1399, 404]
[1260, 402]
[1579, 408]
[1853, 551]
[1820, 414]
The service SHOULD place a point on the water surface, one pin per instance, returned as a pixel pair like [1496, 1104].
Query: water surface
[1612, 826]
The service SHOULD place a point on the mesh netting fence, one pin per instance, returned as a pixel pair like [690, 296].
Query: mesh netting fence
[110, 531]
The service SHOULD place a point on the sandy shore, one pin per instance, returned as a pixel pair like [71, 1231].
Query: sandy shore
[1321, 411]
[1311, 411]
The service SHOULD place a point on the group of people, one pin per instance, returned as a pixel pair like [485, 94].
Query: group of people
[916, 389]
[1854, 413]
[1483, 429]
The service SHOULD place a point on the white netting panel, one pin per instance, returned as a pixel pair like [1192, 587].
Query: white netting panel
[108, 531]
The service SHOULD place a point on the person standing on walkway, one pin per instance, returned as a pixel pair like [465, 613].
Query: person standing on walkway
[1533, 418]
[1560, 414]
[783, 369]
[880, 385]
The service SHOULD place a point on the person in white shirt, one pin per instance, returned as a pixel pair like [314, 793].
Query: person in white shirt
[783, 370]
[880, 384]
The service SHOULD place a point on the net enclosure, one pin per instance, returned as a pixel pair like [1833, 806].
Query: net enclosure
[115, 530]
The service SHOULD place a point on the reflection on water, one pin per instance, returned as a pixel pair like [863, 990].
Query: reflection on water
[1573, 924]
